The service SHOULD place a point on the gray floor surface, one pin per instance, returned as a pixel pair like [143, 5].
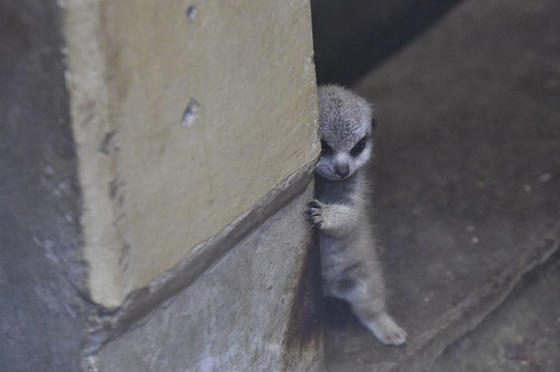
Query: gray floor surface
[522, 335]
[468, 178]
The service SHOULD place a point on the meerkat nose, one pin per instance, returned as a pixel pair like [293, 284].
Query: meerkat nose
[342, 170]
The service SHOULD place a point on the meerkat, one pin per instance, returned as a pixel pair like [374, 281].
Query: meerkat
[350, 268]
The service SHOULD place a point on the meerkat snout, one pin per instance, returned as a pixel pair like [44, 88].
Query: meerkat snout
[342, 169]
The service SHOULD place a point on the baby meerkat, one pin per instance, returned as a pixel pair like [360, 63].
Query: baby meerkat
[350, 267]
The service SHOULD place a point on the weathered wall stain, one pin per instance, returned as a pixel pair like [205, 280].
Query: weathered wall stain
[306, 317]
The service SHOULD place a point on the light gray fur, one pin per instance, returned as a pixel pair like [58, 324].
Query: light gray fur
[350, 267]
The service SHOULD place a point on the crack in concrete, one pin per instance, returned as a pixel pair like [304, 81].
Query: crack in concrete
[468, 314]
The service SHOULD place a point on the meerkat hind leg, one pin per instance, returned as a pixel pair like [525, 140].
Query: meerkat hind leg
[381, 324]
[364, 289]
[370, 309]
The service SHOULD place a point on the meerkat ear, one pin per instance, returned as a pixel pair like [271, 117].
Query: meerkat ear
[373, 123]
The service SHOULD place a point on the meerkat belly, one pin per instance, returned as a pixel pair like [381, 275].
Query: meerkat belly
[344, 261]
[340, 255]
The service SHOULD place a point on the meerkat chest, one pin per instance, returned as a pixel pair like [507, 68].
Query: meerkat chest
[337, 192]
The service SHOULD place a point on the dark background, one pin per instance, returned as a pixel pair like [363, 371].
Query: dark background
[352, 36]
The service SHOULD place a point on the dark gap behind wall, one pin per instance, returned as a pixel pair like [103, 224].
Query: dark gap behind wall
[352, 37]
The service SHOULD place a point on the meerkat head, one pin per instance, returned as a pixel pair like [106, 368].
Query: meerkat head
[345, 130]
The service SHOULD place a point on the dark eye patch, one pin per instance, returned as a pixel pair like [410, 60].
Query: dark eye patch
[325, 148]
[359, 147]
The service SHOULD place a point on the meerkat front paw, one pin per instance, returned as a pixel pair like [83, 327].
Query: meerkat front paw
[387, 331]
[314, 213]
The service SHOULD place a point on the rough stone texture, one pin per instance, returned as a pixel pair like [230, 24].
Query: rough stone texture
[255, 310]
[41, 276]
[468, 174]
[171, 105]
[523, 335]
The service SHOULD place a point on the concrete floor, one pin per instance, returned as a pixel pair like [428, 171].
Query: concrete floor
[522, 335]
[468, 180]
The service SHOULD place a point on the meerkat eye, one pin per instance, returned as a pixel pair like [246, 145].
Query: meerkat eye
[325, 148]
[359, 147]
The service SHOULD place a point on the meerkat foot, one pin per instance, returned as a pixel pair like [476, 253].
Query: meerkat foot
[314, 213]
[387, 331]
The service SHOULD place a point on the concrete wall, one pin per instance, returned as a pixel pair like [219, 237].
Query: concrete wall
[42, 280]
[255, 310]
[156, 158]
[164, 179]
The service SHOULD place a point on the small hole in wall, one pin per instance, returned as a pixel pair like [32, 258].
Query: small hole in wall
[191, 12]
[190, 113]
